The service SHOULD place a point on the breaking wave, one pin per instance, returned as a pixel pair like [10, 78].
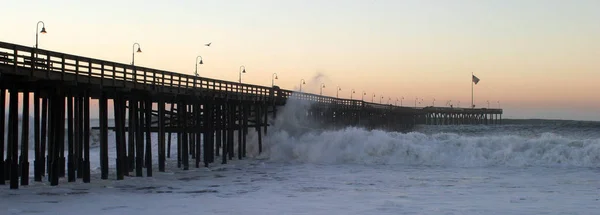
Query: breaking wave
[294, 138]
[358, 146]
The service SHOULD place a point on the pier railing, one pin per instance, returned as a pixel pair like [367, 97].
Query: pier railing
[65, 67]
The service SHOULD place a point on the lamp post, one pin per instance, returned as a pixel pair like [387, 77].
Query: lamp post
[401, 101]
[351, 94]
[139, 50]
[322, 86]
[302, 82]
[43, 31]
[337, 92]
[363, 96]
[381, 98]
[498, 104]
[389, 99]
[198, 63]
[242, 70]
[433, 103]
[416, 99]
[488, 103]
[273, 77]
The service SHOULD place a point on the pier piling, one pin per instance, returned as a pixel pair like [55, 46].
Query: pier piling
[2, 135]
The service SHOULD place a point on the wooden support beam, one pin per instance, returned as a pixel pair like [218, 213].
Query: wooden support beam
[44, 138]
[70, 141]
[131, 136]
[123, 160]
[103, 106]
[240, 116]
[80, 137]
[208, 132]
[161, 135]
[139, 140]
[225, 133]
[185, 155]
[13, 140]
[265, 115]
[245, 127]
[148, 117]
[199, 121]
[230, 129]
[58, 124]
[52, 139]
[62, 161]
[193, 112]
[37, 174]
[211, 135]
[3, 174]
[86, 137]
[217, 125]
[257, 115]
[171, 115]
[119, 136]
[51, 135]
[180, 135]
[77, 133]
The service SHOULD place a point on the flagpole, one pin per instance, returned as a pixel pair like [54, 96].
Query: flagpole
[472, 90]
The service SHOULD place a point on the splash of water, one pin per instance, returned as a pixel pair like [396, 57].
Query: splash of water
[293, 137]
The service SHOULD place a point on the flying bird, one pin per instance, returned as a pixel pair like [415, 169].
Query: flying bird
[208, 44]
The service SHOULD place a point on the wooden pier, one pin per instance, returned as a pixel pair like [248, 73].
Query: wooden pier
[206, 115]
[461, 116]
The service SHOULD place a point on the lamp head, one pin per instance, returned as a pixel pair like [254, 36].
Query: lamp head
[303, 82]
[244, 71]
[43, 31]
[201, 62]
[276, 77]
[139, 50]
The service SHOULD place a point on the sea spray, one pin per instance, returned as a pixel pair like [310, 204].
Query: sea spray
[294, 137]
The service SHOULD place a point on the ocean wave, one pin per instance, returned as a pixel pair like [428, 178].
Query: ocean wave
[359, 146]
[295, 138]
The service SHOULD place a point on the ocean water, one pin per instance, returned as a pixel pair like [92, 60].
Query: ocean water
[522, 167]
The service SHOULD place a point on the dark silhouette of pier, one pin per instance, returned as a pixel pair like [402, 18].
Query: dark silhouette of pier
[205, 114]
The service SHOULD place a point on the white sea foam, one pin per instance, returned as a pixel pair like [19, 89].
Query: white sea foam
[359, 146]
[295, 138]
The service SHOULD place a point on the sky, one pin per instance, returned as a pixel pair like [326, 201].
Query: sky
[535, 58]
